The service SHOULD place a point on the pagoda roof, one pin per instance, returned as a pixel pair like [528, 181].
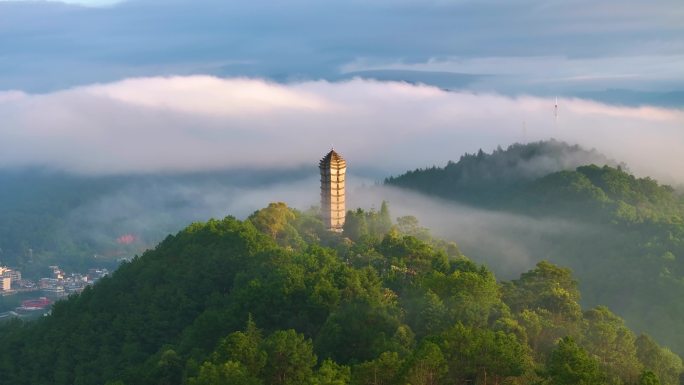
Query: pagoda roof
[333, 158]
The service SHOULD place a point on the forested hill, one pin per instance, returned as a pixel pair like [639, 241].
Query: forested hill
[487, 179]
[277, 299]
[628, 249]
[549, 178]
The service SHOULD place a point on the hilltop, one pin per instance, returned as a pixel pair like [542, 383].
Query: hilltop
[488, 179]
[276, 299]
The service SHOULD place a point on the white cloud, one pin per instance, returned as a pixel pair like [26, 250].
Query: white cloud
[208, 95]
[201, 123]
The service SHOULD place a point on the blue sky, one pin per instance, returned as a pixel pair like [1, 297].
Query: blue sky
[87, 3]
[571, 47]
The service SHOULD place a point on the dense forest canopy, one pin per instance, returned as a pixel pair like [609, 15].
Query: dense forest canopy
[630, 253]
[488, 179]
[277, 299]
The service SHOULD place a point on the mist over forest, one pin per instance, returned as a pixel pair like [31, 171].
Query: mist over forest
[512, 211]
[481, 202]
[278, 298]
[78, 216]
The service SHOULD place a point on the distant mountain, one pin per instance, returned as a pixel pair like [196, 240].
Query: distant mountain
[623, 236]
[278, 299]
[488, 178]
[550, 178]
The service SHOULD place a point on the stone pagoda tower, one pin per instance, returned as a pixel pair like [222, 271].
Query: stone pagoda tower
[333, 168]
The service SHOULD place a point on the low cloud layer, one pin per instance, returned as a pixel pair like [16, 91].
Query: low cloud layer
[204, 123]
[146, 211]
[508, 243]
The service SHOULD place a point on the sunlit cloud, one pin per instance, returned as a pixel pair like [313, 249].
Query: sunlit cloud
[208, 95]
[205, 123]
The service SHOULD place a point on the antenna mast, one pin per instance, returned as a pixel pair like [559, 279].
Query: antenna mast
[555, 111]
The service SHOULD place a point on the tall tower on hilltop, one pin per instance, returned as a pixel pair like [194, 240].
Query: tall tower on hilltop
[333, 168]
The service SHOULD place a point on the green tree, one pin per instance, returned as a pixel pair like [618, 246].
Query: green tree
[503, 356]
[647, 377]
[384, 220]
[546, 301]
[427, 314]
[409, 225]
[613, 343]
[384, 370]
[546, 287]
[243, 347]
[290, 358]
[478, 354]
[427, 366]
[570, 364]
[355, 225]
[275, 221]
[169, 368]
[471, 295]
[230, 372]
[359, 330]
[666, 365]
[330, 373]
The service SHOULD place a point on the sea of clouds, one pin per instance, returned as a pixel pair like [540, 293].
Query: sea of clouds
[200, 123]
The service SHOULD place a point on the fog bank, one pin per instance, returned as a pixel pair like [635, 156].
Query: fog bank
[199, 123]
